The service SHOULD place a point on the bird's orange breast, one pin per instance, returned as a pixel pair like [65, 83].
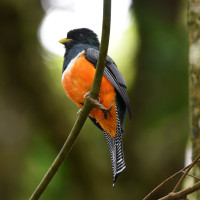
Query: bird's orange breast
[77, 80]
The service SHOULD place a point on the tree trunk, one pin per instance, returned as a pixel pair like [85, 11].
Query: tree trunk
[194, 79]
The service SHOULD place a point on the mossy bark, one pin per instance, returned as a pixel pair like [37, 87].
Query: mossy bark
[194, 78]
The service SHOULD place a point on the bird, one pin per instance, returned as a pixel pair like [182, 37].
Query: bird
[109, 110]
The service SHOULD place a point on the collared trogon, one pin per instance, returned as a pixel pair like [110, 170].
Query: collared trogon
[80, 59]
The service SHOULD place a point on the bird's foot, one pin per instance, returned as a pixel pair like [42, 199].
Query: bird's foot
[96, 104]
[106, 111]
[86, 95]
[79, 112]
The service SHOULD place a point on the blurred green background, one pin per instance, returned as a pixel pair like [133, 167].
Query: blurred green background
[36, 116]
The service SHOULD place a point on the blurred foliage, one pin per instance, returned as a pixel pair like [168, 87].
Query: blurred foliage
[160, 94]
[36, 116]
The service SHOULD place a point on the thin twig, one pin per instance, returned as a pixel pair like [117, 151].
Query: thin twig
[165, 181]
[195, 177]
[182, 194]
[185, 174]
[86, 108]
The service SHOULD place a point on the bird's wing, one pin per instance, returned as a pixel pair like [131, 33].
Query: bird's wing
[112, 73]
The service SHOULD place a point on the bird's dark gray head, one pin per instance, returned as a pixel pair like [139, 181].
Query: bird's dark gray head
[80, 36]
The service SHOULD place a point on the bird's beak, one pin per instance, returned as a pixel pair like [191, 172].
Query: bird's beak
[65, 40]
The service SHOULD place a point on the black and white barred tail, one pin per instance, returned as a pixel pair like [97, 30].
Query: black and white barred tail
[116, 151]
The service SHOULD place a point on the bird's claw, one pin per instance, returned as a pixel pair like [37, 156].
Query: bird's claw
[96, 104]
[106, 111]
[79, 112]
[86, 95]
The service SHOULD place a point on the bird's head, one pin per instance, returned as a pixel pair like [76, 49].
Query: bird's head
[80, 36]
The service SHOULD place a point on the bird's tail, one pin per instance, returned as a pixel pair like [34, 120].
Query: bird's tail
[116, 152]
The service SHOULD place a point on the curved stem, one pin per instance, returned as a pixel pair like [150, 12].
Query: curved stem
[86, 108]
[103, 50]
